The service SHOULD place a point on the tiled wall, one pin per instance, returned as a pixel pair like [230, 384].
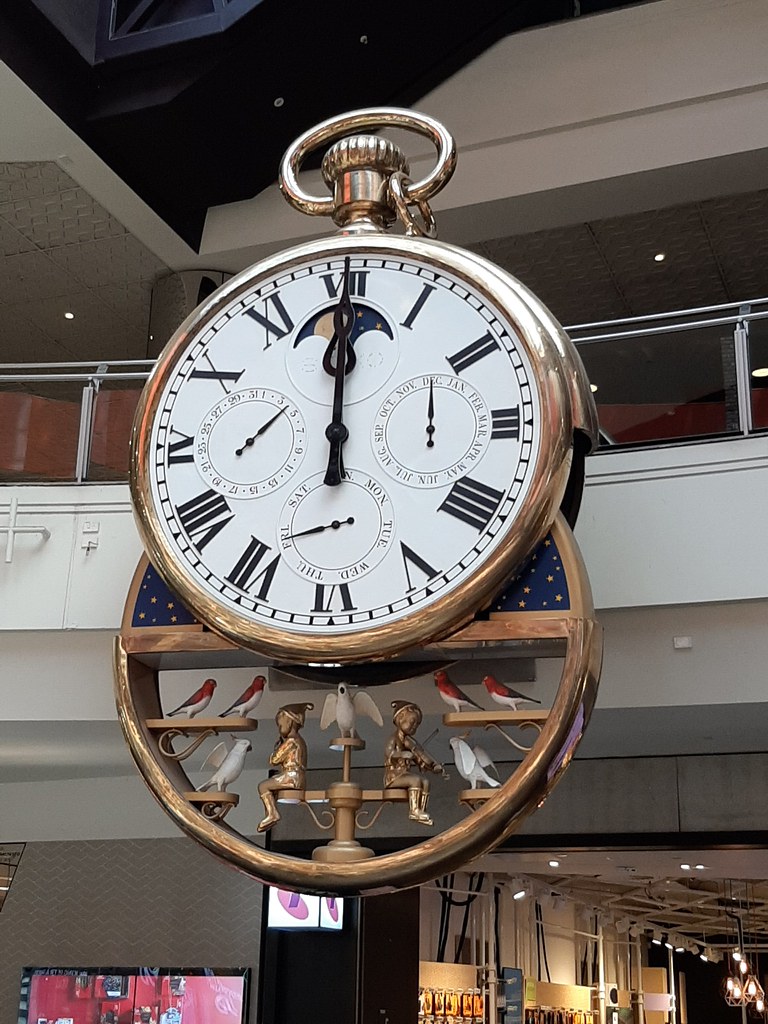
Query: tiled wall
[161, 902]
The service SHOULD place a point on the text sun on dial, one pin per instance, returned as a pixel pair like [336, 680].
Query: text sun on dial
[290, 498]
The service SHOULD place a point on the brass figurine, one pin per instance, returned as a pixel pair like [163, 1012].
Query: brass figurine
[405, 759]
[291, 754]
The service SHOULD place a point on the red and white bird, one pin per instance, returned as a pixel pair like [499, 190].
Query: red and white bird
[198, 702]
[247, 700]
[452, 695]
[505, 695]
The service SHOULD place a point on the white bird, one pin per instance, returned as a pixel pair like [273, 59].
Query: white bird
[343, 706]
[471, 763]
[228, 762]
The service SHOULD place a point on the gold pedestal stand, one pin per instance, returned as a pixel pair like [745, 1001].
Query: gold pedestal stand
[346, 800]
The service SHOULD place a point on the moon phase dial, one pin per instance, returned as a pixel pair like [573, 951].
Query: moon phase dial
[373, 340]
[250, 443]
[431, 430]
[335, 535]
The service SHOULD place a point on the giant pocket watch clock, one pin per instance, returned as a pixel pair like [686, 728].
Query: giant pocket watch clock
[343, 456]
[348, 449]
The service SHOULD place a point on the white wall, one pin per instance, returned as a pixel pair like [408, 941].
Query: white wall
[668, 526]
[677, 525]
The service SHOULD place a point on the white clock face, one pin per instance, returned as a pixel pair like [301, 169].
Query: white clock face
[443, 433]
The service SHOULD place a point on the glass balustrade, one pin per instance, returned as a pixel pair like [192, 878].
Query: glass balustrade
[39, 430]
[113, 408]
[673, 378]
[665, 386]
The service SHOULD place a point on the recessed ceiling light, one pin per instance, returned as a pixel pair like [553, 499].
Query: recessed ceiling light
[685, 867]
[593, 387]
[554, 863]
[660, 257]
[69, 316]
[760, 371]
[700, 867]
[519, 895]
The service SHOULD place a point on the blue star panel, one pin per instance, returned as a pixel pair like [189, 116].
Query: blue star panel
[366, 319]
[156, 605]
[541, 586]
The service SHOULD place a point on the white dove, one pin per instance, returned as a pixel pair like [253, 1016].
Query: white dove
[343, 706]
[472, 763]
[228, 763]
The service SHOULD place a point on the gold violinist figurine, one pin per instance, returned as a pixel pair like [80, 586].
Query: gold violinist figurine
[290, 754]
[405, 760]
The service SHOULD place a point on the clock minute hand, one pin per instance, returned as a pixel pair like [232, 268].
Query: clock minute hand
[336, 432]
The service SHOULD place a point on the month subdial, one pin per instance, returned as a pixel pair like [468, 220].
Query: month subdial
[334, 535]
[431, 430]
[250, 443]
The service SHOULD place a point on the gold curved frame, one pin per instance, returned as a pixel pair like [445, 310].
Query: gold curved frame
[138, 702]
[535, 514]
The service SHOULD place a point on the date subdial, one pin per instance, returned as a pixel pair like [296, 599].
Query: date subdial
[431, 430]
[250, 443]
[335, 535]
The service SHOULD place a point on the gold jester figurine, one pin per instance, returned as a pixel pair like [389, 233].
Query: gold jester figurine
[290, 754]
[405, 759]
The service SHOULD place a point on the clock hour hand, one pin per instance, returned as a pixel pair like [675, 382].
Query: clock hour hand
[336, 432]
[335, 525]
[431, 415]
[249, 441]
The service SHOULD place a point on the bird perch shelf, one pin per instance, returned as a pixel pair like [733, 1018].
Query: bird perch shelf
[214, 805]
[470, 719]
[184, 725]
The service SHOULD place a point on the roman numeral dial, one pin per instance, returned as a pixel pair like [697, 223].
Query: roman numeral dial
[442, 408]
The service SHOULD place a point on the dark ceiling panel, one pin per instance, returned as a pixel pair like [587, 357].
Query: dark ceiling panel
[205, 121]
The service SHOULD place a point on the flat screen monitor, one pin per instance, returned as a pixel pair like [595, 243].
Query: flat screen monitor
[294, 910]
[134, 995]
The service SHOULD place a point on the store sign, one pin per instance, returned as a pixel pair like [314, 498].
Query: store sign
[512, 989]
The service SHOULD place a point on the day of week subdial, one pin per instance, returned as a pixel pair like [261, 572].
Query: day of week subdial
[333, 535]
[431, 430]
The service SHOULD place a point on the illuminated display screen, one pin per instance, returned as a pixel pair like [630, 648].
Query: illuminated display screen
[133, 995]
[297, 910]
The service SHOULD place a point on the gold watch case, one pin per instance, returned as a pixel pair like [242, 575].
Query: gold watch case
[563, 403]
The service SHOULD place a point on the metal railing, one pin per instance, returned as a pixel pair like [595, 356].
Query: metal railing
[676, 377]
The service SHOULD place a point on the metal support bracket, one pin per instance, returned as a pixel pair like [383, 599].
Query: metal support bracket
[13, 529]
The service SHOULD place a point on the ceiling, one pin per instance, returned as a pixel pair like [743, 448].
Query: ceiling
[61, 251]
[246, 85]
[649, 888]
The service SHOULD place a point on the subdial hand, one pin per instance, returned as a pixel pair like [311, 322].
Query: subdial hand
[250, 441]
[335, 525]
[430, 416]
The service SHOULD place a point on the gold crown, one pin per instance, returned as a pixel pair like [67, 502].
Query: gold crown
[363, 151]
